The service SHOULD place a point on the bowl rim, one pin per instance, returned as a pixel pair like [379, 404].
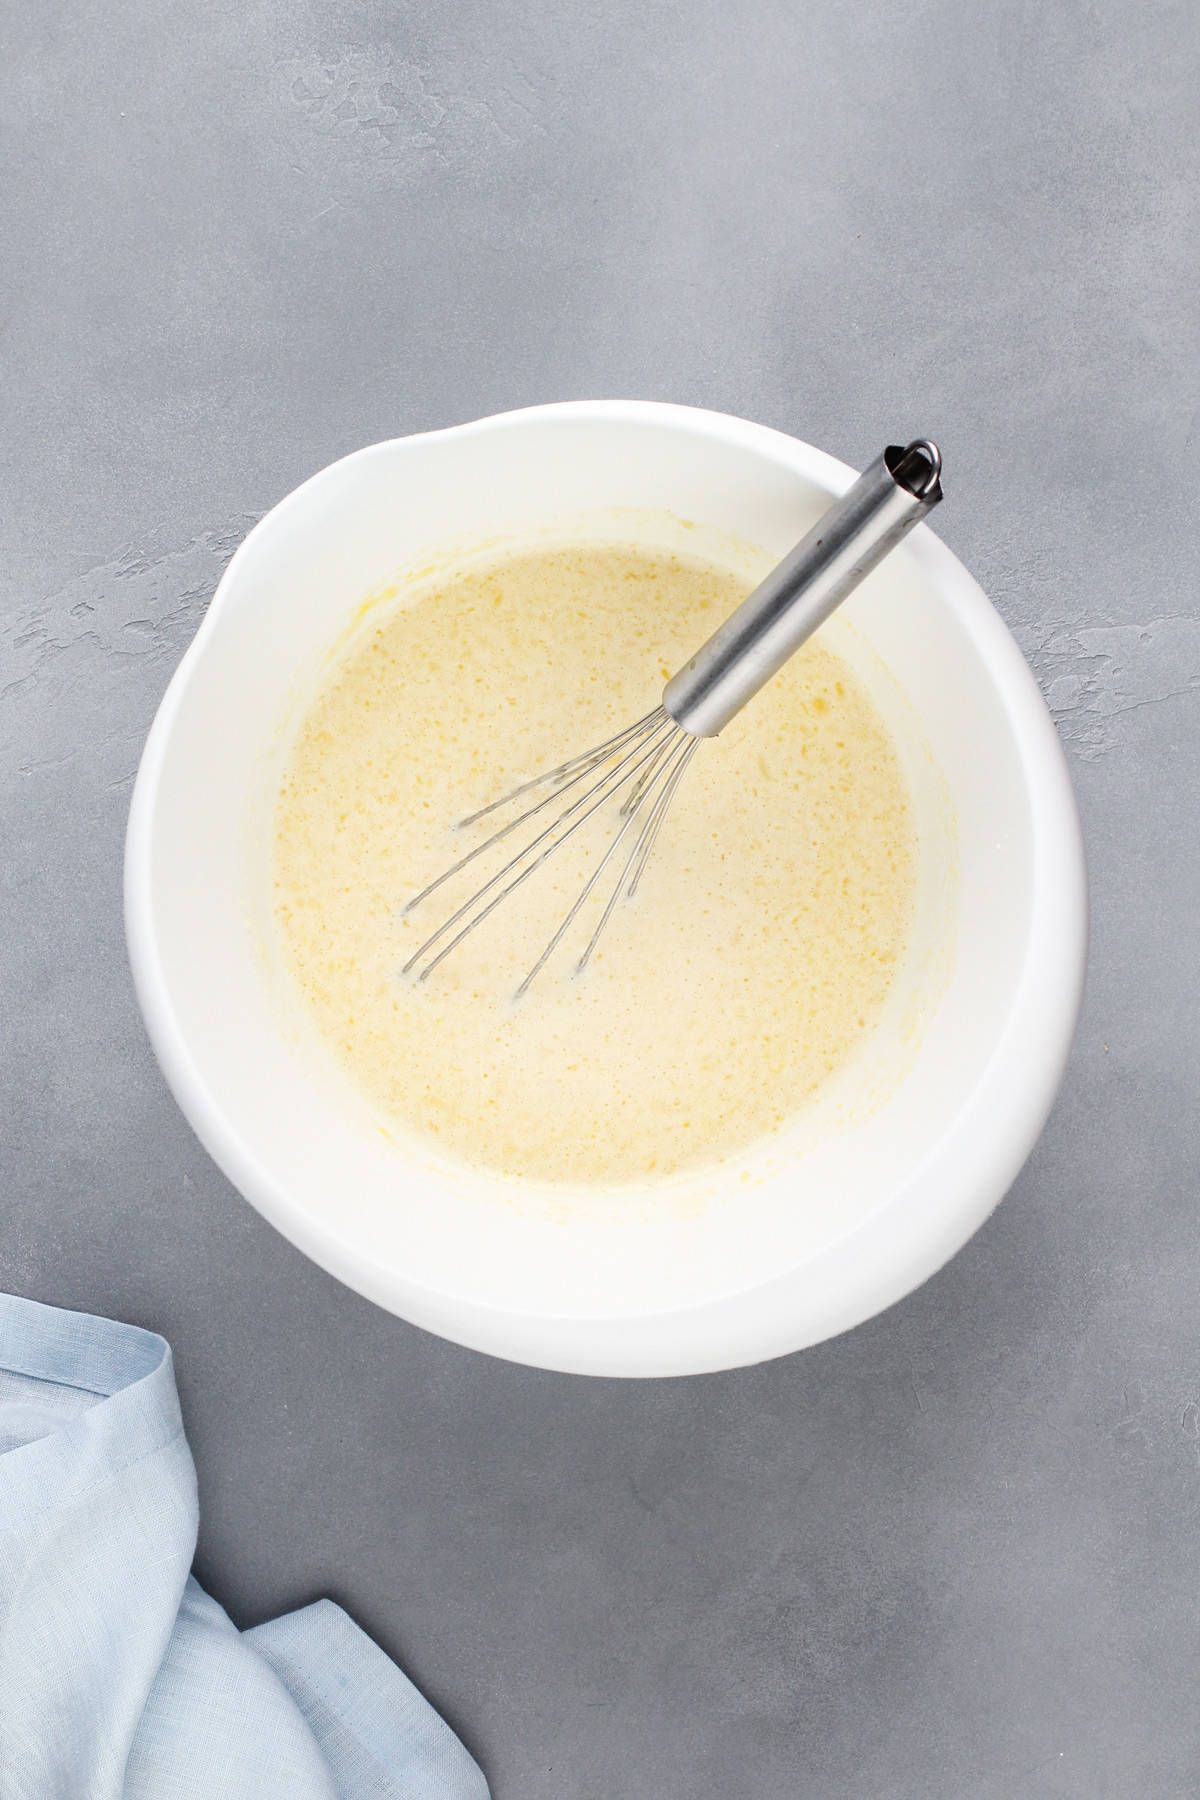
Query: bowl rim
[945, 1199]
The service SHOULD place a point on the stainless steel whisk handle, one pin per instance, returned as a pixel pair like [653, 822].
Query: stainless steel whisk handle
[845, 544]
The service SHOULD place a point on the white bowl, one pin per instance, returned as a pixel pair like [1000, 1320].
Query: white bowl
[904, 1156]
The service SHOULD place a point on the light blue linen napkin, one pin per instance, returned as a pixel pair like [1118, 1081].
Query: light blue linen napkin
[119, 1678]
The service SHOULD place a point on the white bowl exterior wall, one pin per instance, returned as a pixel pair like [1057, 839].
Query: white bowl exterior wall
[710, 1273]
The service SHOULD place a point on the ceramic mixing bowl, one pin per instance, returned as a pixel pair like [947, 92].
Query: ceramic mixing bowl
[882, 1178]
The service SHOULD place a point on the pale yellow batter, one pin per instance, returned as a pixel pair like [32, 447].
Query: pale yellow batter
[763, 937]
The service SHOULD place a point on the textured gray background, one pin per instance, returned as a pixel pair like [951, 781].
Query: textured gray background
[957, 1552]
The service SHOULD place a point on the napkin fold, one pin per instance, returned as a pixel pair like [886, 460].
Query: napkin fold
[120, 1678]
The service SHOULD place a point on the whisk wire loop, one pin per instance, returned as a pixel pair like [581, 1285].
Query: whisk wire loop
[593, 759]
[637, 752]
[680, 756]
[655, 822]
[590, 759]
[666, 756]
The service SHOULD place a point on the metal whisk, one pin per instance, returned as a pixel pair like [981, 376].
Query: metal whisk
[642, 766]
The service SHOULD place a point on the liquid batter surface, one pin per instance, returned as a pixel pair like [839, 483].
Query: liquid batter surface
[762, 939]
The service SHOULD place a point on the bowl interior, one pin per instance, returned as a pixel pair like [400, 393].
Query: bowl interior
[769, 1252]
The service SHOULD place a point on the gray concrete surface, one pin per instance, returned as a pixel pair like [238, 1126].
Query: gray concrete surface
[956, 1553]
